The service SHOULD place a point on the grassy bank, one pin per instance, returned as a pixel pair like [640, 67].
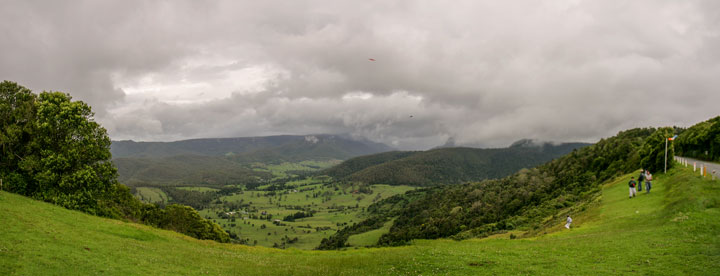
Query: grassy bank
[674, 230]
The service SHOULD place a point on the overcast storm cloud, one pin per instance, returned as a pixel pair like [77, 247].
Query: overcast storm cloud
[411, 74]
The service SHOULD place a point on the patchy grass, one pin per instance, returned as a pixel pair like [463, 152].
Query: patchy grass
[199, 189]
[151, 195]
[671, 231]
[369, 238]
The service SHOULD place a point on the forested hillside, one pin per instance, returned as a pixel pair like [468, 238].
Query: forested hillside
[448, 165]
[522, 200]
[360, 163]
[700, 141]
[292, 146]
[185, 170]
[227, 161]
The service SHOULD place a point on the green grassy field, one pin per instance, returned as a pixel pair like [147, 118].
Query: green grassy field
[284, 169]
[333, 207]
[675, 230]
[151, 195]
[369, 238]
[199, 189]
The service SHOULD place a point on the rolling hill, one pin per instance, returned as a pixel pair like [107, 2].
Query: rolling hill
[448, 165]
[185, 170]
[316, 146]
[672, 231]
[221, 161]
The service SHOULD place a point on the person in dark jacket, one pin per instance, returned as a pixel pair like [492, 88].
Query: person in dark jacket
[640, 180]
[632, 184]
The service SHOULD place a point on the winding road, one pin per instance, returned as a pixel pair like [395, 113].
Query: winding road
[713, 168]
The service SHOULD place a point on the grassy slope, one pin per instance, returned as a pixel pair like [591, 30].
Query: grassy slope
[672, 231]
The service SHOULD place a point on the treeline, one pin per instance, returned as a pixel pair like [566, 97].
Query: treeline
[447, 165]
[522, 200]
[701, 141]
[53, 151]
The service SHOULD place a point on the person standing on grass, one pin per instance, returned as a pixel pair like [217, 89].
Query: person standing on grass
[640, 180]
[632, 184]
[648, 178]
[569, 220]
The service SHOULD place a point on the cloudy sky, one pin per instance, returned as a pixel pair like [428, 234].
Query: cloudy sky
[485, 73]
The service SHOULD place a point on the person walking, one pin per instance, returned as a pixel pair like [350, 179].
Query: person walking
[640, 180]
[648, 183]
[569, 220]
[632, 184]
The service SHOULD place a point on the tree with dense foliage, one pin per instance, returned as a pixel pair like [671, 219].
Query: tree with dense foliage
[52, 150]
[701, 141]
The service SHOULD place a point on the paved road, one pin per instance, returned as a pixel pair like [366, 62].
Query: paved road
[710, 166]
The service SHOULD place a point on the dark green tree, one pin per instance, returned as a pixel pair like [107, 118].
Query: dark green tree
[72, 152]
[653, 150]
[17, 117]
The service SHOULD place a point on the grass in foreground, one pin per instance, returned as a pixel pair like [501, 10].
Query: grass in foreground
[672, 231]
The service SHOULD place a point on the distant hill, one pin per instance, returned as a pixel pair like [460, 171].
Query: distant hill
[220, 161]
[360, 163]
[184, 170]
[319, 146]
[448, 165]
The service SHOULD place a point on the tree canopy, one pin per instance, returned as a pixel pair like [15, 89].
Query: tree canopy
[53, 150]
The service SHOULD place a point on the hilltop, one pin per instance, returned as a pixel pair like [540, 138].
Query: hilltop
[227, 161]
[448, 165]
[672, 231]
[305, 147]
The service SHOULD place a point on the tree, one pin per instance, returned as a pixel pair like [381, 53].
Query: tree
[73, 167]
[52, 149]
[653, 150]
[17, 113]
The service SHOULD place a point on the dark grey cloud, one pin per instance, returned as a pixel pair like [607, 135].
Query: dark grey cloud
[482, 72]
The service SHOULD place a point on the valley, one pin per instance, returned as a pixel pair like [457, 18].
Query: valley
[298, 204]
[672, 231]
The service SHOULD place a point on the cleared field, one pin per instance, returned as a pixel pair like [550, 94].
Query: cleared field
[151, 195]
[199, 189]
[369, 238]
[262, 222]
[285, 169]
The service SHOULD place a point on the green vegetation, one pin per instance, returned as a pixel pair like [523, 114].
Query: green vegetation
[186, 170]
[447, 165]
[701, 141]
[671, 231]
[297, 214]
[151, 195]
[521, 201]
[199, 189]
[283, 148]
[287, 169]
[369, 238]
[53, 151]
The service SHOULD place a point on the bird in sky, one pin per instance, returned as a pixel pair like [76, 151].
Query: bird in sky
[371, 59]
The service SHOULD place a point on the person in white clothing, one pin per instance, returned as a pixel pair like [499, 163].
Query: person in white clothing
[569, 220]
